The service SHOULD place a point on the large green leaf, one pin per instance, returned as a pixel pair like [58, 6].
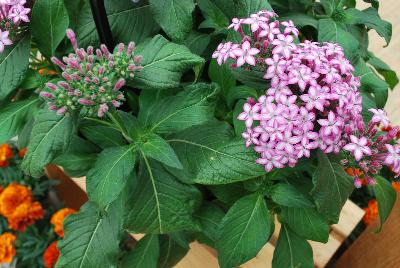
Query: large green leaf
[210, 217]
[211, 155]
[157, 148]
[170, 252]
[214, 16]
[222, 75]
[49, 22]
[174, 16]
[144, 255]
[332, 187]
[382, 68]
[386, 197]
[91, 238]
[51, 135]
[300, 19]
[107, 178]
[287, 195]
[246, 7]
[103, 136]
[372, 83]
[330, 31]
[163, 64]
[197, 42]
[160, 203]
[306, 222]
[129, 21]
[13, 64]
[368, 102]
[292, 251]
[244, 230]
[13, 117]
[251, 78]
[191, 107]
[371, 19]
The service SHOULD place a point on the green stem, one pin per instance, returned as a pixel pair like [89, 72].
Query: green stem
[119, 127]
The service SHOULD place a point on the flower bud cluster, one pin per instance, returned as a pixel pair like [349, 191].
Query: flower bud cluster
[92, 79]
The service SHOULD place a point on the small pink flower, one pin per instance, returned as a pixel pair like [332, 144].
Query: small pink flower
[4, 40]
[331, 125]
[246, 54]
[250, 114]
[283, 45]
[290, 28]
[236, 23]
[358, 147]
[380, 117]
[19, 13]
[250, 136]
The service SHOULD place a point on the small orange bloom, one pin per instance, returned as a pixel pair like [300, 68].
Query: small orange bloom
[7, 248]
[354, 171]
[6, 154]
[22, 152]
[396, 186]
[13, 196]
[50, 255]
[25, 215]
[58, 220]
[371, 212]
[45, 71]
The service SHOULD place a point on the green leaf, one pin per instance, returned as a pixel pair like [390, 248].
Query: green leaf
[244, 230]
[214, 16]
[300, 20]
[368, 102]
[330, 31]
[144, 255]
[287, 195]
[129, 22]
[107, 178]
[332, 187]
[158, 149]
[50, 137]
[103, 136]
[382, 68]
[331, 6]
[13, 117]
[228, 193]
[244, 8]
[371, 19]
[160, 203]
[240, 93]
[91, 238]
[170, 252]
[13, 64]
[191, 107]
[386, 197]
[197, 42]
[372, 83]
[211, 155]
[306, 222]
[49, 22]
[253, 78]
[174, 16]
[239, 125]
[210, 217]
[222, 75]
[163, 64]
[292, 251]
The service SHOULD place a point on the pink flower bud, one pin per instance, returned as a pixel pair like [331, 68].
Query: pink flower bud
[104, 49]
[46, 95]
[85, 102]
[66, 76]
[89, 50]
[116, 104]
[99, 54]
[58, 63]
[357, 182]
[51, 86]
[120, 83]
[61, 111]
[71, 36]
[131, 47]
[103, 109]
[121, 47]
[137, 59]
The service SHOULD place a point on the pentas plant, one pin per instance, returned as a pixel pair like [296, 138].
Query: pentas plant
[93, 79]
[12, 14]
[312, 101]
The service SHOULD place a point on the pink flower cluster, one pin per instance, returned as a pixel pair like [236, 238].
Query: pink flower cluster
[12, 13]
[372, 149]
[93, 79]
[313, 98]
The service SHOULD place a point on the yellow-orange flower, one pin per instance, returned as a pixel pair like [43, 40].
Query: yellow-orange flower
[7, 248]
[58, 220]
[6, 154]
[45, 71]
[13, 196]
[50, 255]
[22, 152]
[25, 215]
[396, 186]
[371, 212]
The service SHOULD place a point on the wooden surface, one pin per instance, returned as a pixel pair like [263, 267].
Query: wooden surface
[201, 256]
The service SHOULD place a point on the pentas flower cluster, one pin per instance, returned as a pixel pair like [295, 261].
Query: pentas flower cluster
[372, 149]
[12, 14]
[92, 79]
[312, 100]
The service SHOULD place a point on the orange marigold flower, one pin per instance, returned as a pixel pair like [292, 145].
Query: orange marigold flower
[13, 196]
[7, 247]
[58, 220]
[22, 152]
[371, 212]
[6, 154]
[50, 255]
[25, 215]
[396, 186]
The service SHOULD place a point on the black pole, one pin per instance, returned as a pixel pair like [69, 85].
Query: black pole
[102, 24]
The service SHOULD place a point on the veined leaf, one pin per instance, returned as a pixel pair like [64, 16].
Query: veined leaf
[386, 197]
[332, 188]
[157, 148]
[222, 75]
[91, 239]
[160, 203]
[287, 195]
[197, 42]
[107, 178]
[214, 16]
[163, 64]
[51, 135]
[382, 68]
[103, 136]
[211, 155]
[144, 255]
[174, 16]
[244, 230]
[210, 217]
[170, 252]
[244, 8]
